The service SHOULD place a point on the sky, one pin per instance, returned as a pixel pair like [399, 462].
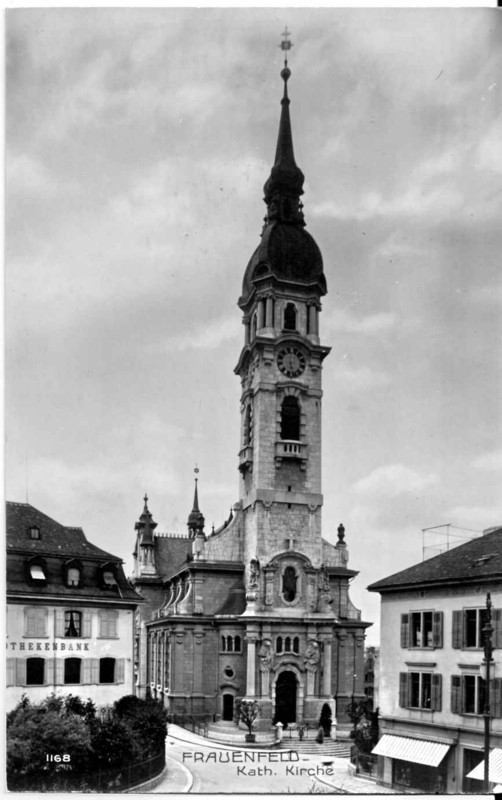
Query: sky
[137, 146]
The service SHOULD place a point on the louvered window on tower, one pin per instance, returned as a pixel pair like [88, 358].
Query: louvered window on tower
[290, 419]
[290, 317]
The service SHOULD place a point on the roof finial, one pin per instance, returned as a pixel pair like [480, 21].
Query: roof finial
[286, 45]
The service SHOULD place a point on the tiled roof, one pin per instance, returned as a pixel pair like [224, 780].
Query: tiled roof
[479, 559]
[171, 553]
[57, 545]
[55, 538]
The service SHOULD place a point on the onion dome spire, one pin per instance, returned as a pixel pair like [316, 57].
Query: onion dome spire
[196, 519]
[146, 525]
[285, 184]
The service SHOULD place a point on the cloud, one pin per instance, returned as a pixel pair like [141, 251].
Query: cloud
[350, 379]
[489, 152]
[393, 480]
[27, 176]
[344, 320]
[206, 336]
[491, 461]
[476, 517]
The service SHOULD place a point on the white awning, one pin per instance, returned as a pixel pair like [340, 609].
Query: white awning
[495, 767]
[420, 751]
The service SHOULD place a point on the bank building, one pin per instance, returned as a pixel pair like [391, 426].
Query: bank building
[260, 608]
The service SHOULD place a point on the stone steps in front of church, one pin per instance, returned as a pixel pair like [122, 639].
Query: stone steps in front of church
[329, 748]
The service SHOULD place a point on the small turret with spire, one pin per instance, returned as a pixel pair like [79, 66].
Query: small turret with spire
[196, 519]
[145, 542]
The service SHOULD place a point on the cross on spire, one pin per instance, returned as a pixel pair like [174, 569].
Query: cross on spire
[286, 45]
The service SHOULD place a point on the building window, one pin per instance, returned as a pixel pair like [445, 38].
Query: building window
[290, 419]
[35, 621]
[289, 580]
[290, 317]
[229, 673]
[468, 693]
[420, 690]
[107, 670]
[237, 644]
[296, 645]
[108, 624]
[73, 576]
[248, 425]
[72, 624]
[278, 645]
[108, 577]
[35, 671]
[34, 532]
[72, 670]
[223, 643]
[422, 629]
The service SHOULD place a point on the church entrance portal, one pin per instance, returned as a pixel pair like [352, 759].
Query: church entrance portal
[285, 697]
[228, 707]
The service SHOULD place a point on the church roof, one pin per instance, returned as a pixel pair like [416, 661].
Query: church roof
[171, 552]
[477, 560]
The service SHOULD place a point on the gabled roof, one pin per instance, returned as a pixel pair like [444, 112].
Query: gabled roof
[477, 560]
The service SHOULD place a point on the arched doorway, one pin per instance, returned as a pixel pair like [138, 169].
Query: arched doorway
[228, 707]
[285, 697]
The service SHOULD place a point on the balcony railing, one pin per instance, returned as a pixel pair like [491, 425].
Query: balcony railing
[288, 448]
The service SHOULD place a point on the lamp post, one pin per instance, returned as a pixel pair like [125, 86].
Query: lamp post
[487, 631]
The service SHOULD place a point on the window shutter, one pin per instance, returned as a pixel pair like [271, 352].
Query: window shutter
[497, 628]
[20, 671]
[87, 670]
[436, 692]
[456, 630]
[94, 670]
[403, 689]
[11, 672]
[49, 672]
[496, 697]
[86, 624]
[102, 623]
[405, 625]
[119, 670]
[456, 697]
[59, 671]
[437, 629]
[30, 621]
[59, 622]
[113, 623]
[41, 624]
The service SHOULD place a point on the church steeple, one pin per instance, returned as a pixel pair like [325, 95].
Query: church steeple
[145, 543]
[285, 184]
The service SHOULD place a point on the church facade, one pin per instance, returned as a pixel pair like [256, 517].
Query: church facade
[260, 608]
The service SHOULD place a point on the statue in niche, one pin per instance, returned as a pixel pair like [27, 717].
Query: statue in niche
[312, 656]
[254, 573]
[324, 587]
[265, 655]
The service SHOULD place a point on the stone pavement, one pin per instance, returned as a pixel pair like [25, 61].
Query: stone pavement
[180, 780]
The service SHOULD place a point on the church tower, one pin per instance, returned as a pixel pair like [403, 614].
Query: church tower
[280, 367]
[259, 608]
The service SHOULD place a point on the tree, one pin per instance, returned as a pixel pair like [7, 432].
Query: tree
[365, 732]
[325, 721]
[247, 712]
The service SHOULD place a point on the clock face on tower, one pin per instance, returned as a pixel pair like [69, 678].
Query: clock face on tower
[291, 361]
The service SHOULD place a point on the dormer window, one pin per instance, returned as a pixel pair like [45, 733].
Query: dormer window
[108, 576]
[36, 572]
[34, 532]
[73, 573]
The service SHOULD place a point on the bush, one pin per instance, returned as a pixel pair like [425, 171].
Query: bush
[134, 730]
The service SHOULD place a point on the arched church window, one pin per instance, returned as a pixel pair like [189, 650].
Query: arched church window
[223, 643]
[237, 647]
[248, 425]
[287, 641]
[290, 418]
[279, 644]
[290, 317]
[289, 580]
[229, 644]
[296, 645]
